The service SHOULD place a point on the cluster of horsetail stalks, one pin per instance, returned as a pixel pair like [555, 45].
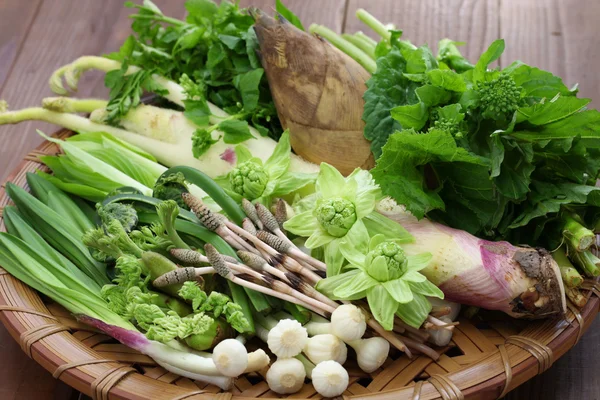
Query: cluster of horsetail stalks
[273, 265]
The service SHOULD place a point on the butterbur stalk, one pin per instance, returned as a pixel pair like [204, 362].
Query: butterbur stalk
[365, 45]
[347, 46]
[571, 277]
[522, 282]
[589, 263]
[318, 118]
[578, 236]
[373, 23]
[69, 105]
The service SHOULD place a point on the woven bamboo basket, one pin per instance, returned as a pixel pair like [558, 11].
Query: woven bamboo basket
[488, 356]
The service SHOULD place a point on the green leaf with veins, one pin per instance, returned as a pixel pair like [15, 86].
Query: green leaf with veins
[400, 178]
[235, 131]
[413, 116]
[447, 79]
[489, 56]
[387, 88]
[288, 14]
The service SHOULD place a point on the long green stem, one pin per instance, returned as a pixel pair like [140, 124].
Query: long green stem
[159, 18]
[588, 262]
[345, 46]
[570, 275]
[577, 235]
[373, 23]
[366, 47]
[72, 105]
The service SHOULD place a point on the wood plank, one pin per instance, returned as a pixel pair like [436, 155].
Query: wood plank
[15, 22]
[556, 35]
[427, 21]
[97, 28]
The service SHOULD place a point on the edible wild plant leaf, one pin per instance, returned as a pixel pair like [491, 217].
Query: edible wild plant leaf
[235, 131]
[432, 95]
[288, 15]
[387, 88]
[489, 56]
[551, 111]
[399, 170]
[248, 85]
[447, 79]
[584, 124]
[449, 54]
[413, 116]
[537, 84]
[215, 47]
[202, 141]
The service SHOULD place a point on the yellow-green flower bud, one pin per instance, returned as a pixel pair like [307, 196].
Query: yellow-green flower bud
[249, 179]
[336, 215]
[395, 261]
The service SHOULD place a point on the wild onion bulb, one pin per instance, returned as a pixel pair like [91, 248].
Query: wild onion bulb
[440, 337]
[348, 322]
[257, 360]
[371, 353]
[230, 357]
[326, 347]
[286, 376]
[287, 338]
[330, 379]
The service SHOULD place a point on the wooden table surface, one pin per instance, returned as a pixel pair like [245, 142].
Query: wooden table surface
[38, 36]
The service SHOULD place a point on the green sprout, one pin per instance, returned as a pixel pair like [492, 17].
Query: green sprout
[341, 213]
[389, 279]
[258, 182]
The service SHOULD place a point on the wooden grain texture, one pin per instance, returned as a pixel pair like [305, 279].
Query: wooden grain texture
[62, 31]
[558, 35]
[12, 34]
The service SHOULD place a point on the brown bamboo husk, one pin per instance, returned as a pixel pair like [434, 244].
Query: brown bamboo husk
[472, 366]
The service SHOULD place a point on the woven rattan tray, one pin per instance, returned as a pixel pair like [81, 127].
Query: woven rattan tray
[487, 357]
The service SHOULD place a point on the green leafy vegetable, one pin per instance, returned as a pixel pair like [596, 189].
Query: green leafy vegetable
[498, 153]
[212, 54]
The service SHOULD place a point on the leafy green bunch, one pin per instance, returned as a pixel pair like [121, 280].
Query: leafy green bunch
[388, 279]
[212, 54]
[495, 152]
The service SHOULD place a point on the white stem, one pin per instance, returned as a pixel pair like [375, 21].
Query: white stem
[318, 328]
[221, 381]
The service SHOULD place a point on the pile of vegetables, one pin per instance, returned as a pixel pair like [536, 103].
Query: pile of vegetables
[505, 154]
[186, 228]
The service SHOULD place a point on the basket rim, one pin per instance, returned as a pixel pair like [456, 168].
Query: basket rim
[482, 379]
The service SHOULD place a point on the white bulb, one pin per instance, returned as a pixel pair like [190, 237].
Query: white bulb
[330, 379]
[287, 338]
[326, 347]
[371, 353]
[230, 357]
[348, 322]
[286, 376]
